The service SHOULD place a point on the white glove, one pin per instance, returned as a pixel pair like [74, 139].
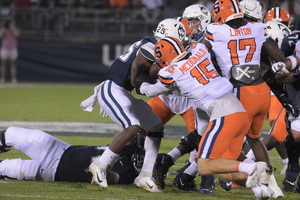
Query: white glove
[103, 113]
[279, 67]
[143, 87]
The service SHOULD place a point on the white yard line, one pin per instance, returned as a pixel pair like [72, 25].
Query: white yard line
[50, 197]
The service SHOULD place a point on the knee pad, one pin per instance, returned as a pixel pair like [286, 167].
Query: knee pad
[155, 134]
[191, 141]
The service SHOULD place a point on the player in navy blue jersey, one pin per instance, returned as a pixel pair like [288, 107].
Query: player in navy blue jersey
[55, 160]
[290, 47]
[127, 72]
[289, 43]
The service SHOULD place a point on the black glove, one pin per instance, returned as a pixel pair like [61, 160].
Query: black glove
[292, 108]
[288, 104]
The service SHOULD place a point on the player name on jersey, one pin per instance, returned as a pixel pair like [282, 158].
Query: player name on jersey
[192, 61]
[240, 32]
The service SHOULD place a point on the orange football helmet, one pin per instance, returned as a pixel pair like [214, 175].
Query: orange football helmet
[186, 24]
[186, 41]
[168, 50]
[226, 10]
[279, 14]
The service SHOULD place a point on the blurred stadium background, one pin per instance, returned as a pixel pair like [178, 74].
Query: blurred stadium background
[77, 40]
[77, 43]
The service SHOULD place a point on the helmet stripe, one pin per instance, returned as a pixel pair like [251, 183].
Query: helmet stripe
[277, 13]
[174, 43]
[235, 6]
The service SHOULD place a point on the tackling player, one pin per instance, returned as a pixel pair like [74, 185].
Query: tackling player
[115, 99]
[196, 78]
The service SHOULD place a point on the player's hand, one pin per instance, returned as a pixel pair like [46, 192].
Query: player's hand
[292, 108]
[279, 67]
[103, 113]
[143, 87]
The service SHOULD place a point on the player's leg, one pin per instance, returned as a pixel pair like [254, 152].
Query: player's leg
[256, 101]
[34, 143]
[19, 169]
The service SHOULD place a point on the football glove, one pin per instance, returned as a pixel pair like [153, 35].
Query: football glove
[279, 67]
[291, 108]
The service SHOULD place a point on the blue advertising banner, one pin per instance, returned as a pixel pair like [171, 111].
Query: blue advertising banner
[66, 62]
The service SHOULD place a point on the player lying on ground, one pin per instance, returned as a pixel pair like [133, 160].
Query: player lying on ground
[56, 160]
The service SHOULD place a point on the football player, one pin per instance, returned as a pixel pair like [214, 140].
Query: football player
[56, 160]
[196, 78]
[116, 101]
[279, 14]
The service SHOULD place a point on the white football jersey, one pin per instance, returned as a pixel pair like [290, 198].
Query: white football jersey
[197, 78]
[243, 44]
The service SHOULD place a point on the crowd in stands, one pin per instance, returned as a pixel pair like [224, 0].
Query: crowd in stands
[32, 14]
[167, 7]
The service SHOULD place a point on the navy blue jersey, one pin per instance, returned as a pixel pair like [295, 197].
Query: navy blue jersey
[289, 43]
[74, 163]
[198, 36]
[120, 70]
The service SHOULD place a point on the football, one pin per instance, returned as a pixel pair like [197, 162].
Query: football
[154, 70]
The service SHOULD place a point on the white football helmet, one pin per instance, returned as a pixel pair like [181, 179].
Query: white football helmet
[252, 9]
[197, 11]
[171, 28]
[277, 31]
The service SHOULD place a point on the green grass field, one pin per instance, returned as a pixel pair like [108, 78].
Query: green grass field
[60, 102]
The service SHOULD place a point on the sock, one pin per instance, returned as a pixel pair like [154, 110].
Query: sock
[151, 146]
[247, 160]
[107, 157]
[245, 167]
[192, 169]
[192, 156]
[175, 154]
[285, 161]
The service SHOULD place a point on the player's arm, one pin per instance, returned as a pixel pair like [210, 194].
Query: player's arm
[207, 44]
[152, 90]
[270, 47]
[141, 66]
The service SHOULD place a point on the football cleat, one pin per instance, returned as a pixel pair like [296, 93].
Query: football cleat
[264, 177]
[207, 185]
[99, 173]
[262, 192]
[162, 165]
[3, 147]
[185, 182]
[234, 185]
[226, 185]
[288, 183]
[147, 183]
[276, 189]
[257, 169]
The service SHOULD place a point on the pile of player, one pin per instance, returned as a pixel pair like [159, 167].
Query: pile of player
[219, 76]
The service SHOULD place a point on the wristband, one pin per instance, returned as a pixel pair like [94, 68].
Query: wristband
[294, 62]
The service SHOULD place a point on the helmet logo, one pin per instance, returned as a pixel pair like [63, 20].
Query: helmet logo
[158, 52]
[217, 8]
[204, 10]
[181, 32]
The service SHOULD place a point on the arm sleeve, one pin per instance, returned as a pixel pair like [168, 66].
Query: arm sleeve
[152, 90]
